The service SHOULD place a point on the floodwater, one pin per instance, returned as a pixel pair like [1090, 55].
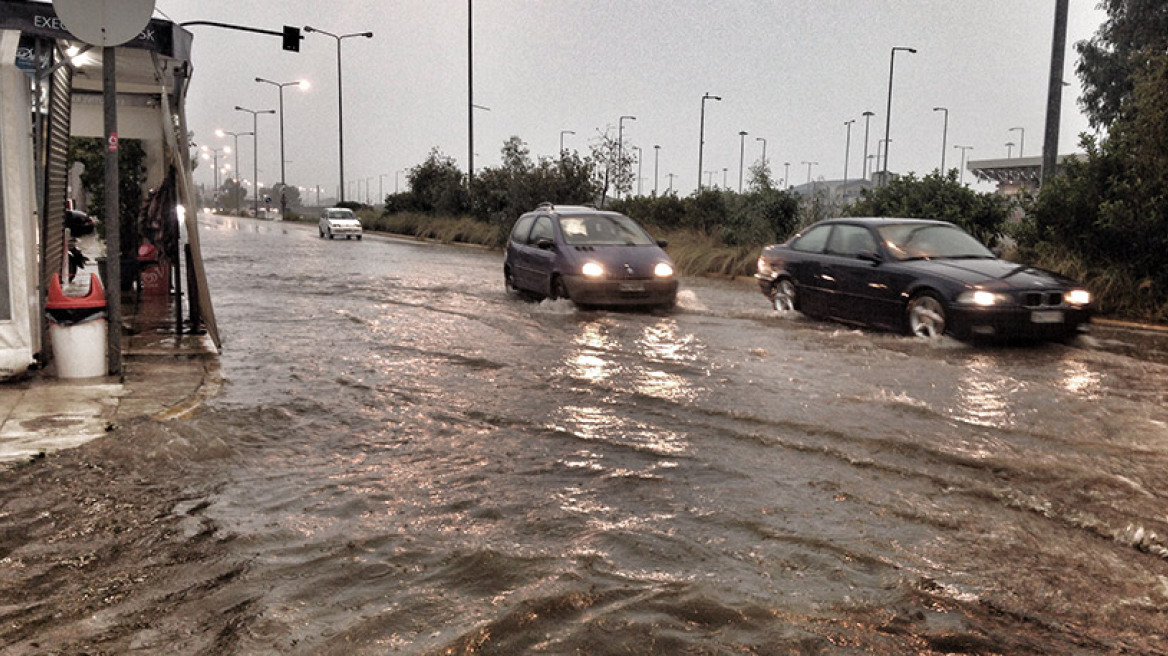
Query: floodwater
[412, 461]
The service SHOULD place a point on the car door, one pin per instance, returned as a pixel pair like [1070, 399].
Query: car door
[537, 259]
[806, 269]
[860, 289]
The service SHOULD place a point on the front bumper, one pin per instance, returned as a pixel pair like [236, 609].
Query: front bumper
[622, 292]
[967, 322]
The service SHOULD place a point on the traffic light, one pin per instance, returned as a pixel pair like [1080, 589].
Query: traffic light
[291, 38]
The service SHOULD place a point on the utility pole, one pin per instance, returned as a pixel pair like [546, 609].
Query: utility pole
[1054, 92]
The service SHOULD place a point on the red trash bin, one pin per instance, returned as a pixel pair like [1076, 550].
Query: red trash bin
[152, 271]
[78, 328]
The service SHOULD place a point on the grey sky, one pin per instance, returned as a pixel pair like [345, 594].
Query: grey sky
[791, 72]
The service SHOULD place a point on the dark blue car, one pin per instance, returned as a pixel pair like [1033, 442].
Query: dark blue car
[925, 278]
[590, 256]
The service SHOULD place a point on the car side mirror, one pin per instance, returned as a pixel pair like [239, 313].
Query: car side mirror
[545, 244]
[869, 256]
[663, 243]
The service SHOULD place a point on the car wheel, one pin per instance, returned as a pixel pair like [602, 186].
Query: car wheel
[926, 316]
[330, 234]
[508, 281]
[359, 237]
[783, 296]
[559, 289]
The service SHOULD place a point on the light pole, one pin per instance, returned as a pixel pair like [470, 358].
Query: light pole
[867, 117]
[1021, 141]
[340, 97]
[620, 143]
[741, 157]
[809, 165]
[656, 161]
[847, 148]
[786, 174]
[944, 136]
[1009, 149]
[397, 182]
[725, 173]
[562, 133]
[963, 149]
[888, 112]
[235, 136]
[710, 180]
[764, 159]
[213, 153]
[671, 176]
[302, 84]
[640, 156]
[381, 187]
[702, 135]
[255, 153]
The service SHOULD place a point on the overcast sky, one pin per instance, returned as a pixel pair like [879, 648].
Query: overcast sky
[791, 72]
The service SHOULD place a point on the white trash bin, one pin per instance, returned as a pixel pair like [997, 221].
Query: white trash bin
[78, 329]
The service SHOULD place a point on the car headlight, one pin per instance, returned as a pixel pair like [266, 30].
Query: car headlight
[1077, 297]
[982, 298]
[764, 267]
[592, 269]
[663, 270]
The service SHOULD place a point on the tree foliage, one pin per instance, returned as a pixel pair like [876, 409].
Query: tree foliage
[938, 197]
[1111, 61]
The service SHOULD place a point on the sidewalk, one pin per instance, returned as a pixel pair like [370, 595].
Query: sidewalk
[164, 376]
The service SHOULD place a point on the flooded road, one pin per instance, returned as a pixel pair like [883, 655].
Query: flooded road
[404, 459]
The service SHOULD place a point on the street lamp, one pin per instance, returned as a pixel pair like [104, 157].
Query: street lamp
[809, 165]
[255, 152]
[786, 174]
[867, 117]
[235, 136]
[764, 159]
[213, 153]
[888, 112]
[847, 148]
[656, 161]
[340, 97]
[302, 84]
[1009, 149]
[620, 140]
[963, 149]
[1021, 141]
[944, 136]
[702, 135]
[562, 133]
[741, 156]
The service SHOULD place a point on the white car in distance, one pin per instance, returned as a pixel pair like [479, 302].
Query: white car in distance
[339, 222]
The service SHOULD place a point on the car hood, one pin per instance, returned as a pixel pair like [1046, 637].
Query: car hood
[994, 274]
[621, 261]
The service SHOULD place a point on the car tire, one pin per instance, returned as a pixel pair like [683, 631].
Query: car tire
[559, 289]
[330, 234]
[359, 237]
[509, 281]
[783, 296]
[925, 316]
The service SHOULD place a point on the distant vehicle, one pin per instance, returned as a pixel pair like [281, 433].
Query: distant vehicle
[590, 256]
[79, 223]
[925, 278]
[339, 222]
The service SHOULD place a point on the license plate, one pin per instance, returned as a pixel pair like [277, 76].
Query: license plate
[1046, 316]
[632, 287]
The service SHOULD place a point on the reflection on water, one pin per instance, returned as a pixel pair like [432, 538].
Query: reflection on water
[1082, 380]
[602, 358]
[984, 394]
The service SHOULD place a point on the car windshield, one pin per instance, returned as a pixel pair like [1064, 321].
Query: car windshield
[603, 230]
[916, 241]
[341, 214]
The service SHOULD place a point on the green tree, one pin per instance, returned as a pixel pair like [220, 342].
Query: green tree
[614, 161]
[938, 197]
[438, 186]
[1111, 60]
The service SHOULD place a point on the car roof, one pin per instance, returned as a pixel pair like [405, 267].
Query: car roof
[572, 210]
[881, 220]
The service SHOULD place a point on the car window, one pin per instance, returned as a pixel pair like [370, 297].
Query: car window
[542, 230]
[813, 240]
[850, 241]
[603, 230]
[522, 227]
[916, 241]
[341, 214]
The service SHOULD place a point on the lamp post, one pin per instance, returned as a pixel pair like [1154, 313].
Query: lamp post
[764, 159]
[656, 161]
[702, 135]
[741, 156]
[671, 176]
[809, 165]
[963, 149]
[302, 84]
[620, 141]
[786, 174]
[235, 136]
[1021, 141]
[725, 173]
[213, 153]
[255, 153]
[340, 97]
[640, 157]
[381, 187]
[847, 148]
[1009, 149]
[867, 117]
[944, 136]
[562, 133]
[888, 111]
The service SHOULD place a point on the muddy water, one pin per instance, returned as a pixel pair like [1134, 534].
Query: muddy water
[415, 462]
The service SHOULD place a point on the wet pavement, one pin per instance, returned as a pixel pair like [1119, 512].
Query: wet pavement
[403, 458]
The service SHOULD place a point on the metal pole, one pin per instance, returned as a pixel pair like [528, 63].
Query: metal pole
[741, 156]
[888, 111]
[340, 118]
[702, 136]
[1054, 92]
[963, 149]
[1021, 141]
[113, 219]
[656, 161]
[944, 136]
[847, 149]
[470, 93]
[283, 181]
[255, 164]
[867, 118]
